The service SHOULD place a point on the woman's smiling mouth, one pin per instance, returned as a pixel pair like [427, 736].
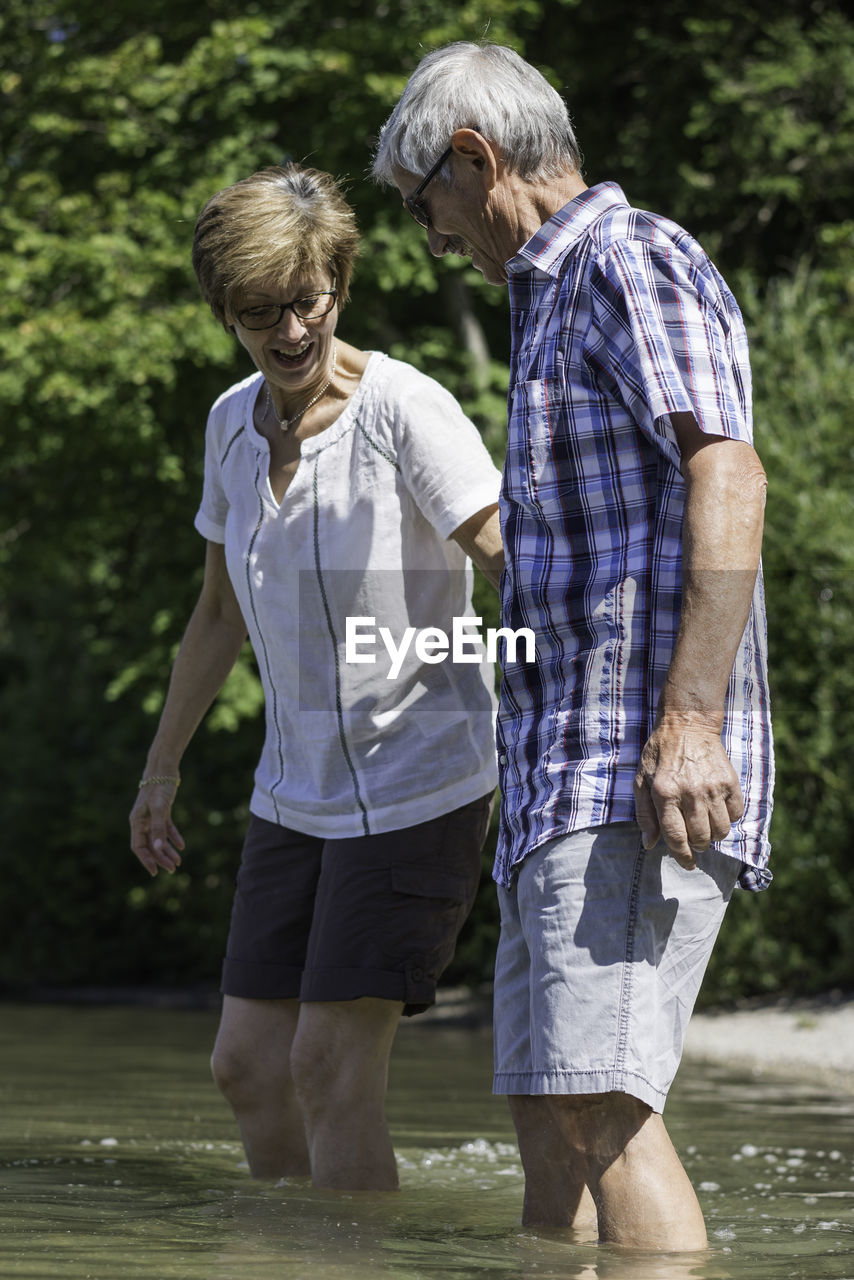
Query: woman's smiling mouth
[292, 356]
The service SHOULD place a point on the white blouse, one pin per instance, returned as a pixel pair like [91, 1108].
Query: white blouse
[362, 533]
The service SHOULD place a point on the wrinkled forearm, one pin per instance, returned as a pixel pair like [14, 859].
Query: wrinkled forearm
[721, 543]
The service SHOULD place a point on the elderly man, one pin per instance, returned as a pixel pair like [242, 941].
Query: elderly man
[635, 752]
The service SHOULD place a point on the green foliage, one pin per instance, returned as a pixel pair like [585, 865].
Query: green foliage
[735, 119]
[116, 127]
[117, 123]
[799, 936]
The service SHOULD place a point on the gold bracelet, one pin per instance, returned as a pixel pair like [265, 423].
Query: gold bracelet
[156, 779]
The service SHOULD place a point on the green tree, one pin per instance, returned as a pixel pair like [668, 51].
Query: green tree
[736, 120]
[117, 123]
[116, 128]
[799, 936]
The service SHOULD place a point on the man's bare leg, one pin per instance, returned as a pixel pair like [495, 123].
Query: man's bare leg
[339, 1062]
[251, 1066]
[556, 1193]
[621, 1149]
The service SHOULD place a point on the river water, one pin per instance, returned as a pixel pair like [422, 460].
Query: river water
[119, 1161]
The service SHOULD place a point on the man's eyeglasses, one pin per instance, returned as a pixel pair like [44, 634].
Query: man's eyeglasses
[414, 204]
[312, 307]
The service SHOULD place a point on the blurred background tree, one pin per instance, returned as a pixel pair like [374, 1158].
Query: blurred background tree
[117, 123]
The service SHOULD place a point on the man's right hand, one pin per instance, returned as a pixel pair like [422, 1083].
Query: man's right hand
[686, 790]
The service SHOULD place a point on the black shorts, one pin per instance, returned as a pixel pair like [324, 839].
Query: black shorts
[379, 915]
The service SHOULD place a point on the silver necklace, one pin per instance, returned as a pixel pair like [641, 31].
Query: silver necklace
[284, 423]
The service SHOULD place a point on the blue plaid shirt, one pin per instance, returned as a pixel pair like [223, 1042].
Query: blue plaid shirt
[619, 319]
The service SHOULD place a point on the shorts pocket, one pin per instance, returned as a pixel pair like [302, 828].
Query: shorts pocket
[431, 905]
[425, 882]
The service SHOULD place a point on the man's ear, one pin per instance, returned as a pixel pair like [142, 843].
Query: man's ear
[482, 155]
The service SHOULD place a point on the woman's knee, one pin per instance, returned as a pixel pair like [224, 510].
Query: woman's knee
[245, 1077]
[232, 1069]
[332, 1075]
[340, 1052]
[316, 1068]
[251, 1051]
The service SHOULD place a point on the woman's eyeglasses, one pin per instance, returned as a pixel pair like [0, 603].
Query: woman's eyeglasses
[312, 307]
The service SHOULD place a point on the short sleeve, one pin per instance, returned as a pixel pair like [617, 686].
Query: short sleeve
[213, 509]
[667, 338]
[442, 457]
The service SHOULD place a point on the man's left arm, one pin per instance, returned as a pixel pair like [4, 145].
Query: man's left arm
[686, 789]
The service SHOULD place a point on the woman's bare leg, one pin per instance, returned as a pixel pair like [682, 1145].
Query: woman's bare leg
[251, 1066]
[339, 1062]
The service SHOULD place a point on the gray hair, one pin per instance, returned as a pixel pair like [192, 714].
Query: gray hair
[486, 87]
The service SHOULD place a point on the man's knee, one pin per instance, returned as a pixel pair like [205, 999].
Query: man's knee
[601, 1125]
[597, 1125]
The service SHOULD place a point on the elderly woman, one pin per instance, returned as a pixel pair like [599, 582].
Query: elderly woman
[343, 493]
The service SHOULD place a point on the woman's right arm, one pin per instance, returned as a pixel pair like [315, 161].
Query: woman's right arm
[209, 649]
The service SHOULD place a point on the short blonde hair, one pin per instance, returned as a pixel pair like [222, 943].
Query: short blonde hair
[277, 224]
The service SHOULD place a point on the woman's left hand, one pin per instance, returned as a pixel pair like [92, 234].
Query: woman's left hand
[155, 839]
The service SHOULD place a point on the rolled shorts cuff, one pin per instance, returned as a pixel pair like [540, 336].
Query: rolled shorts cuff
[413, 987]
[539, 1083]
[251, 981]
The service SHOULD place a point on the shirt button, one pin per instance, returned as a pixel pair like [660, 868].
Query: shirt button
[417, 975]
[502, 759]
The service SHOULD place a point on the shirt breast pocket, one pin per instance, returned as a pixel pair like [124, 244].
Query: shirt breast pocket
[540, 424]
